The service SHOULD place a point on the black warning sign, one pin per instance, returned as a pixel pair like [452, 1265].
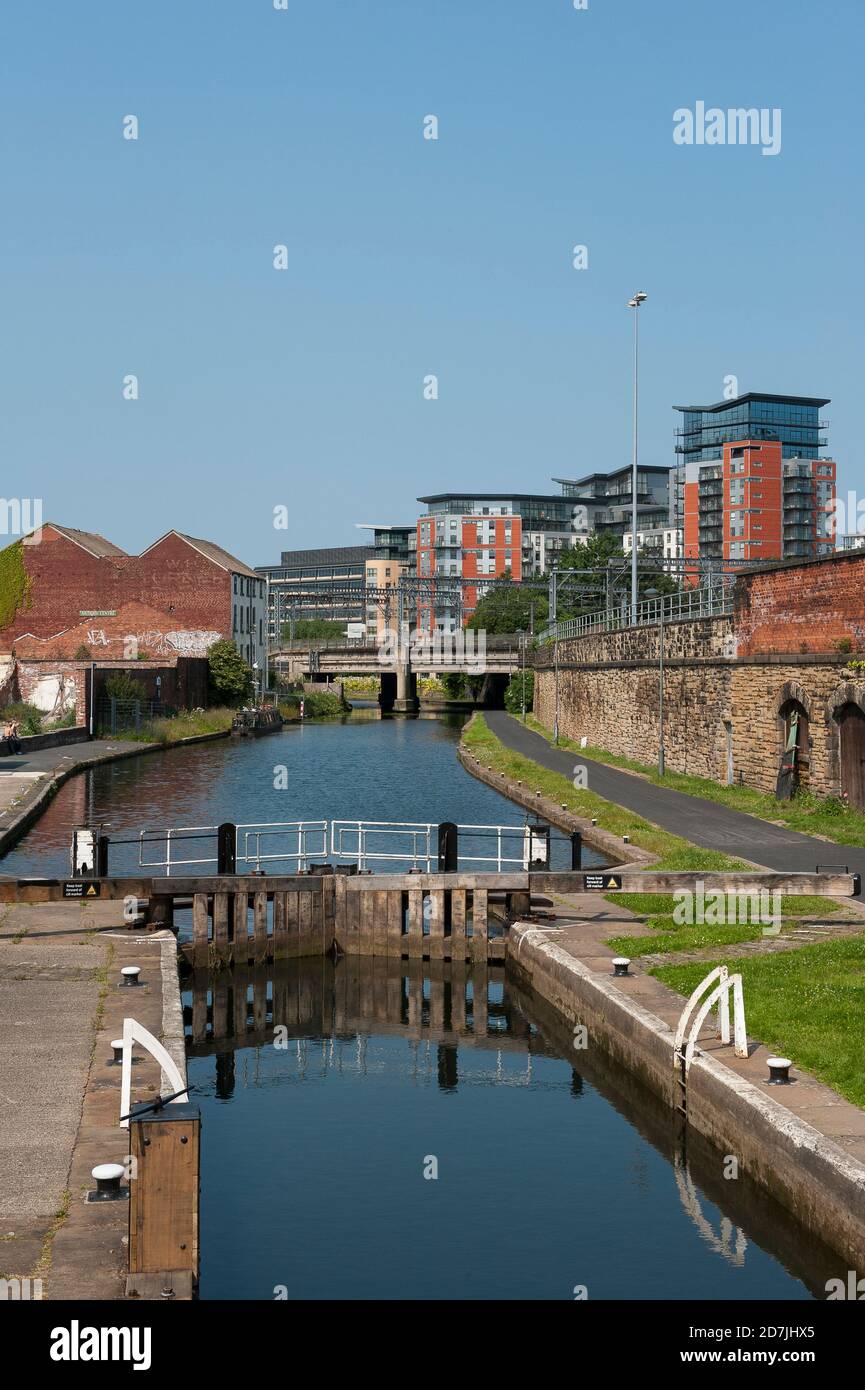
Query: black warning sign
[601, 883]
[79, 888]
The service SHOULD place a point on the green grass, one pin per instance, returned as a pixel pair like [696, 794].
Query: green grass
[672, 936]
[189, 724]
[673, 852]
[794, 905]
[669, 937]
[806, 1004]
[812, 815]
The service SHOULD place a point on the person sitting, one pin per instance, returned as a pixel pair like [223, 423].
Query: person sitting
[13, 742]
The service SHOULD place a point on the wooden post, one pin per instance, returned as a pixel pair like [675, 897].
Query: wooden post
[163, 1201]
[200, 929]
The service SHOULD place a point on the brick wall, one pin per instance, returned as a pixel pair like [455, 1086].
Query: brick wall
[722, 713]
[802, 608]
[172, 579]
[59, 686]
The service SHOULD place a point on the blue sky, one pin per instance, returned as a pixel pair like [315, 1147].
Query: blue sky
[261, 388]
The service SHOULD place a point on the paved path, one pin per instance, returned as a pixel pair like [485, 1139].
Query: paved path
[60, 1008]
[702, 822]
[19, 772]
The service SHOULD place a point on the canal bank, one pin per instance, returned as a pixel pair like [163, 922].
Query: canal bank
[803, 1143]
[61, 1006]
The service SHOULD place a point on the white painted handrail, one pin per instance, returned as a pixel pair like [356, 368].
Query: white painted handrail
[720, 995]
[136, 1032]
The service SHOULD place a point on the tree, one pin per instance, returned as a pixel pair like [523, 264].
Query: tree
[509, 609]
[514, 691]
[230, 677]
[304, 628]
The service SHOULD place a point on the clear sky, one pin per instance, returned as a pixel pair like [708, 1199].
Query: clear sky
[304, 387]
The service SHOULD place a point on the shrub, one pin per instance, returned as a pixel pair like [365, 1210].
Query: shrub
[514, 692]
[120, 685]
[230, 677]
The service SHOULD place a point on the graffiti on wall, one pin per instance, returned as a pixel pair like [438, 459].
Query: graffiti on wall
[156, 643]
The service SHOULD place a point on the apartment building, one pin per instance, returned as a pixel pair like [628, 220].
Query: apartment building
[753, 505]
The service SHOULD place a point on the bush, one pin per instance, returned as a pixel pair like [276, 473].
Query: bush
[514, 692]
[83, 653]
[28, 717]
[120, 685]
[230, 678]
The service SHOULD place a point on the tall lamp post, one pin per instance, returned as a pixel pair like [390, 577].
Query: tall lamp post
[655, 593]
[634, 303]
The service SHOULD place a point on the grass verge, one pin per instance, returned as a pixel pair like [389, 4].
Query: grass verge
[812, 815]
[806, 1004]
[673, 852]
[189, 724]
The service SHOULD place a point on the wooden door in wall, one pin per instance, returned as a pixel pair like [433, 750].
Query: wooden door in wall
[852, 733]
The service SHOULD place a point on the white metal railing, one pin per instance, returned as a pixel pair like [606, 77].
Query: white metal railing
[416, 843]
[177, 836]
[683, 1052]
[309, 841]
[310, 838]
[363, 842]
[711, 601]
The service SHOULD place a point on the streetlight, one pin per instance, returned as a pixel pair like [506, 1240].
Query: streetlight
[655, 593]
[635, 303]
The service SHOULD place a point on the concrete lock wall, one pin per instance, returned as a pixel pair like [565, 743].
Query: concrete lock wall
[723, 709]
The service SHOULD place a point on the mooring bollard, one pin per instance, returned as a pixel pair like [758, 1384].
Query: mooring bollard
[129, 976]
[779, 1071]
[620, 965]
[107, 1178]
[117, 1059]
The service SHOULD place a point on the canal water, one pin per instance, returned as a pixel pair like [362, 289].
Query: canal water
[386, 1130]
[360, 768]
[374, 1130]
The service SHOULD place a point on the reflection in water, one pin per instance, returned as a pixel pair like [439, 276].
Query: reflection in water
[330, 1081]
[690, 1200]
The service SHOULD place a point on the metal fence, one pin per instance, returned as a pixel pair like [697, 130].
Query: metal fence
[115, 716]
[710, 601]
[297, 844]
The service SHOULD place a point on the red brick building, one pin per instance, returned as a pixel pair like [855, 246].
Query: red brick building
[75, 589]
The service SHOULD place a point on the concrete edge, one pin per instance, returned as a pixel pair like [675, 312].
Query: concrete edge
[173, 1037]
[802, 1168]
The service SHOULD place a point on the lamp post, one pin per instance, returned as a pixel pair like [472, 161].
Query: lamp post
[654, 593]
[556, 682]
[634, 303]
